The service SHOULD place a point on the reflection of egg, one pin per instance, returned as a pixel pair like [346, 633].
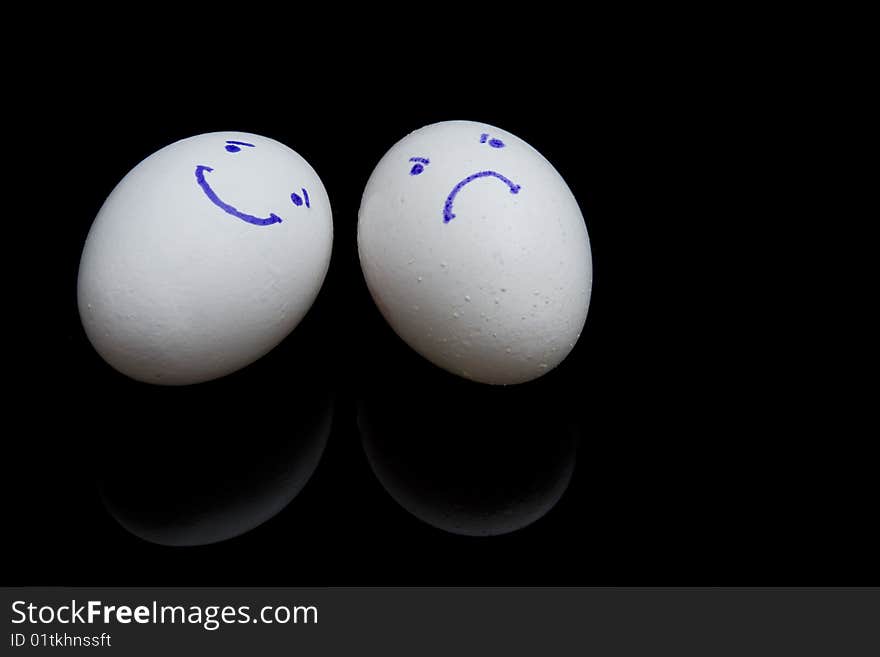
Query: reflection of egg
[477, 464]
[476, 252]
[205, 494]
[204, 257]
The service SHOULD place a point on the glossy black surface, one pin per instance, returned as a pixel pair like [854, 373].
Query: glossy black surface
[188, 486]
[469, 460]
[699, 459]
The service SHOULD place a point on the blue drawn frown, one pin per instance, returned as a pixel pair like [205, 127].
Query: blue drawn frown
[447, 208]
[235, 147]
[448, 215]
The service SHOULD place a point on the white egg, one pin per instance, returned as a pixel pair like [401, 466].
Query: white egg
[204, 257]
[476, 252]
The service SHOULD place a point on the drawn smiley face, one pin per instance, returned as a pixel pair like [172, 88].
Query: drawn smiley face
[233, 146]
[448, 215]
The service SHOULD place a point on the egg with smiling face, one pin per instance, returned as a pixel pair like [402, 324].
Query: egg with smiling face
[476, 252]
[204, 257]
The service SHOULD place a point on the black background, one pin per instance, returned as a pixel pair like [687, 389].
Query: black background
[698, 460]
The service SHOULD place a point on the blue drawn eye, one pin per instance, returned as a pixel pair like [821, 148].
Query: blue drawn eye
[235, 146]
[494, 143]
[419, 166]
[298, 200]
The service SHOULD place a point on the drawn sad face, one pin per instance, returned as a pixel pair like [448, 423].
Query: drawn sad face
[233, 147]
[448, 215]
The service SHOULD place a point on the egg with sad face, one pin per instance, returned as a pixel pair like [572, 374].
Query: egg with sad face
[476, 252]
[204, 257]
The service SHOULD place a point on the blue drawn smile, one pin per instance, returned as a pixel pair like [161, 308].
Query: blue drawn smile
[447, 208]
[233, 146]
[251, 219]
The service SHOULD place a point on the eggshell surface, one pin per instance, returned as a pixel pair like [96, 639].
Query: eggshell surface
[204, 257]
[476, 252]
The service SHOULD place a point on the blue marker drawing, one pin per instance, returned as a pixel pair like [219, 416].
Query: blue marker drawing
[251, 219]
[447, 208]
[494, 143]
[419, 165]
[298, 200]
[233, 146]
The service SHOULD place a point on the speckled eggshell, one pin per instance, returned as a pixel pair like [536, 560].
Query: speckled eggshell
[479, 259]
[174, 288]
